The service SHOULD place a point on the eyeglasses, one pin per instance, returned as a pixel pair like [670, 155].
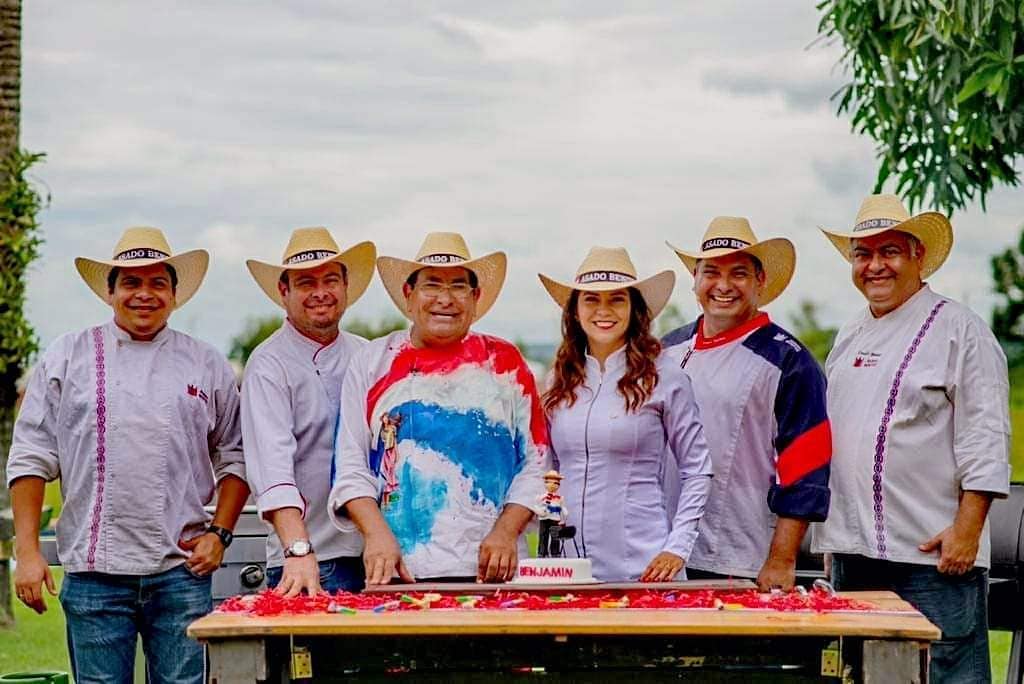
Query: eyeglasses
[433, 290]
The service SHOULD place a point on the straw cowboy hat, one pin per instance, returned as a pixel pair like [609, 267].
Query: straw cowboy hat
[145, 246]
[610, 268]
[445, 250]
[310, 248]
[882, 213]
[730, 234]
[553, 475]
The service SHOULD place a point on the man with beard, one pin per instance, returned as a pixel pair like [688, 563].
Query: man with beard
[290, 397]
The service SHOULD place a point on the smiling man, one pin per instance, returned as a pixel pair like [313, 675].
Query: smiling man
[762, 401]
[919, 396]
[140, 424]
[290, 397]
[442, 443]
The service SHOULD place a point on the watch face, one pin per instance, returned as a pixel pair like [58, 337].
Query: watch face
[300, 548]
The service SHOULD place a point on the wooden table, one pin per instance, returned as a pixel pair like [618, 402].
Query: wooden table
[572, 645]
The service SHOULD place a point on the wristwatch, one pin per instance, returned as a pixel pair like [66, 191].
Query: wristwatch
[298, 548]
[226, 536]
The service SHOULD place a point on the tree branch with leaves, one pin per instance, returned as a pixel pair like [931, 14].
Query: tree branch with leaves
[939, 86]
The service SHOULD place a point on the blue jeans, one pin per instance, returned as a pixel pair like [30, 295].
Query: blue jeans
[104, 614]
[345, 573]
[958, 605]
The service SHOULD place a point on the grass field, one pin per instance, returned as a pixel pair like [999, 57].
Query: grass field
[37, 642]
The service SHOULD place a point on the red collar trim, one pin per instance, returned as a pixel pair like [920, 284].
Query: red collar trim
[730, 335]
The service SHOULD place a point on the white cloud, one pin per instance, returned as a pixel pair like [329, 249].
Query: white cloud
[532, 127]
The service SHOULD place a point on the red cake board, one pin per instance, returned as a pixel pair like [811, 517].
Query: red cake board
[474, 587]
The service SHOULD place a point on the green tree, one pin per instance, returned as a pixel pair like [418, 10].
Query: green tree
[372, 329]
[19, 247]
[670, 318]
[817, 338]
[939, 86]
[1008, 315]
[256, 330]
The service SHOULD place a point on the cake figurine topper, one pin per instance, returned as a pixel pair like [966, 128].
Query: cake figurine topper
[552, 514]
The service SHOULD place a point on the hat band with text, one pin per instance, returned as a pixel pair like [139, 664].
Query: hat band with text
[876, 223]
[723, 242]
[604, 277]
[140, 253]
[310, 255]
[441, 259]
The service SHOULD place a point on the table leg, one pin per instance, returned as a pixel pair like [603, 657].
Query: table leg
[895, 661]
[1015, 670]
[241, 661]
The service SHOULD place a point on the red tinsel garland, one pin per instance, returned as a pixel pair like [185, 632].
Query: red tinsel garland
[268, 603]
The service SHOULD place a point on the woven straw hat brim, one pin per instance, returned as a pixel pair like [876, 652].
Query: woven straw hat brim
[358, 261]
[932, 228]
[656, 289]
[777, 257]
[489, 270]
[190, 268]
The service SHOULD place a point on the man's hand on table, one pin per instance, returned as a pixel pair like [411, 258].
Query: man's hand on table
[498, 556]
[663, 568]
[382, 557]
[776, 574]
[300, 573]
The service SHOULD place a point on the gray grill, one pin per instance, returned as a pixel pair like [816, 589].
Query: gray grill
[245, 561]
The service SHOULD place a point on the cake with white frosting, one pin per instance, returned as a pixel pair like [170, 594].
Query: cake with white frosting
[554, 571]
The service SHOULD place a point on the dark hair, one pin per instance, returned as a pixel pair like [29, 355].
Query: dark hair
[758, 267]
[284, 275]
[411, 280]
[112, 278]
[642, 349]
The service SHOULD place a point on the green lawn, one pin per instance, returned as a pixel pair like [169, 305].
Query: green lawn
[36, 642]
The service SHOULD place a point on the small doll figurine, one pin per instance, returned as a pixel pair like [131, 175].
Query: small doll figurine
[551, 513]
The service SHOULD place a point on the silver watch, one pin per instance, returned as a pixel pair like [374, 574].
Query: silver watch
[298, 548]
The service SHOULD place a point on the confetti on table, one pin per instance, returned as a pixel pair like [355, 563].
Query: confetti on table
[269, 603]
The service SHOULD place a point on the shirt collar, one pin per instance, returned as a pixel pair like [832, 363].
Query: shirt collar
[907, 308]
[308, 344]
[730, 335]
[616, 359]
[122, 335]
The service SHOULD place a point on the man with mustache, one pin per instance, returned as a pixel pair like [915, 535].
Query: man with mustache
[442, 442]
[919, 395]
[290, 397]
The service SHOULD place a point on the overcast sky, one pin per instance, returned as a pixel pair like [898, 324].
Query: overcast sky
[539, 128]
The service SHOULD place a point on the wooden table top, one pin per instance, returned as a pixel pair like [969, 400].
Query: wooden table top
[895, 619]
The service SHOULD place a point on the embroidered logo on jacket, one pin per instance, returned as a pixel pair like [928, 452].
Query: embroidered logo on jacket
[194, 391]
[781, 337]
[866, 359]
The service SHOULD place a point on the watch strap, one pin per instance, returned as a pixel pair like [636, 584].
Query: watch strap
[226, 535]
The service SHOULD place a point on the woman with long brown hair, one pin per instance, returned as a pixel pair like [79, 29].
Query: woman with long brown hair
[622, 419]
